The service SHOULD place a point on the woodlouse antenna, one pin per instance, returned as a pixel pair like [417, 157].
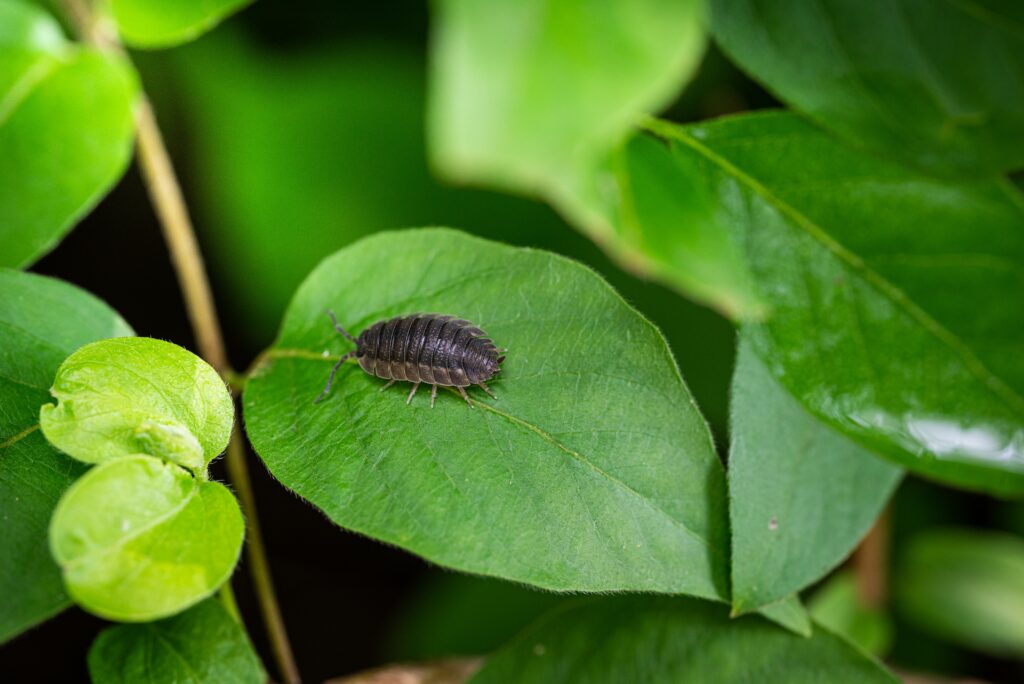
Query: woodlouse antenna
[330, 378]
[337, 326]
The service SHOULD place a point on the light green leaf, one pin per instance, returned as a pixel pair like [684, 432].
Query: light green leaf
[837, 607]
[164, 23]
[42, 320]
[644, 639]
[593, 471]
[938, 84]
[966, 586]
[790, 613]
[528, 94]
[65, 131]
[139, 539]
[201, 645]
[138, 395]
[885, 331]
[800, 494]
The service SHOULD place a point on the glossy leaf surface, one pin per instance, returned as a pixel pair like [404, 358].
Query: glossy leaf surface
[138, 538]
[203, 645]
[801, 494]
[592, 471]
[164, 23]
[42, 320]
[938, 84]
[636, 639]
[65, 131]
[138, 396]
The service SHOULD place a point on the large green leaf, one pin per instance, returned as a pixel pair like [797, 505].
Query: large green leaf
[139, 538]
[939, 84]
[887, 331]
[800, 494]
[163, 23]
[529, 93]
[42, 320]
[201, 645]
[138, 395]
[966, 586]
[65, 131]
[592, 471]
[634, 639]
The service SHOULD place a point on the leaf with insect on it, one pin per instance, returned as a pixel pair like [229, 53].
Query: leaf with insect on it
[42, 320]
[592, 471]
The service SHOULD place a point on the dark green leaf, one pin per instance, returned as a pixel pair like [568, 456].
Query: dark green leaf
[139, 538]
[886, 331]
[633, 639]
[938, 84]
[529, 93]
[138, 396]
[800, 494]
[201, 645]
[966, 586]
[592, 471]
[65, 131]
[163, 23]
[42, 320]
[837, 607]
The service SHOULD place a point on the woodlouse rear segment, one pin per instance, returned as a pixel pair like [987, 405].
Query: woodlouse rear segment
[433, 348]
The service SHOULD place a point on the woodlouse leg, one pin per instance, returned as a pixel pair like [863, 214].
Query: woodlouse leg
[330, 378]
[412, 393]
[390, 383]
[485, 388]
[433, 395]
[462, 391]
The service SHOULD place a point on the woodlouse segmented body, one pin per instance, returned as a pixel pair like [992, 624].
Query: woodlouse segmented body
[433, 348]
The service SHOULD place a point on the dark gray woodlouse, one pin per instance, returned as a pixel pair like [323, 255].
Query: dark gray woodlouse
[433, 348]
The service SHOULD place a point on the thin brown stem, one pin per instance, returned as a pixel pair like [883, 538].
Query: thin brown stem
[871, 564]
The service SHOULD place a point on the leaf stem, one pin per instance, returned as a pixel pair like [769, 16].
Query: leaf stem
[871, 564]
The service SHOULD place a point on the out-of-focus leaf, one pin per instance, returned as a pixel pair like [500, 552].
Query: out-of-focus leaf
[938, 84]
[966, 586]
[593, 471]
[529, 94]
[65, 131]
[42, 320]
[163, 23]
[139, 538]
[203, 645]
[888, 332]
[138, 396]
[800, 494]
[643, 639]
[837, 607]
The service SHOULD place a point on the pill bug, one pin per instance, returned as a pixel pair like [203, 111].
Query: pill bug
[434, 348]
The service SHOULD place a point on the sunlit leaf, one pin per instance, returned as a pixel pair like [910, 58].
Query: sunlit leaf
[203, 645]
[163, 23]
[938, 84]
[138, 396]
[42, 320]
[592, 471]
[138, 538]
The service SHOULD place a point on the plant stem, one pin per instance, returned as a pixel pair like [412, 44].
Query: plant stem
[871, 564]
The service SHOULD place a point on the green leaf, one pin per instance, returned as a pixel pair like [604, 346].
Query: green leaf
[65, 131]
[837, 607]
[888, 332]
[800, 494]
[641, 639]
[164, 23]
[138, 396]
[790, 613]
[593, 471]
[937, 84]
[201, 645]
[966, 586]
[138, 538]
[530, 93]
[42, 320]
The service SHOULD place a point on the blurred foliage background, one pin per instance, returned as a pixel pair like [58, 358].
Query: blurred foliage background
[298, 128]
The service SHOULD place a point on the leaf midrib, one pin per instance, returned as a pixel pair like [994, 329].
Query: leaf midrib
[880, 283]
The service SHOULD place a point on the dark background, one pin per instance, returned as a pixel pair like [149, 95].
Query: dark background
[297, 128]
